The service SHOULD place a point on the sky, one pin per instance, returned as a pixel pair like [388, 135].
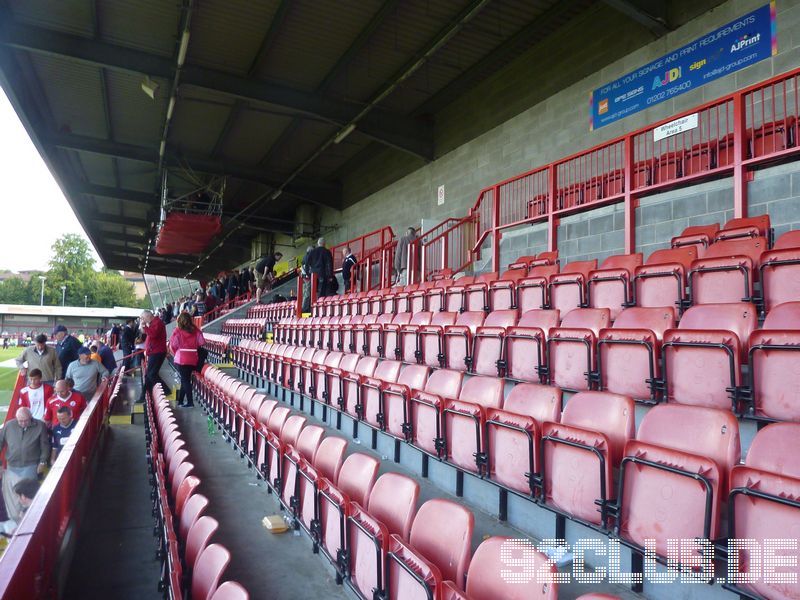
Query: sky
[36, 212]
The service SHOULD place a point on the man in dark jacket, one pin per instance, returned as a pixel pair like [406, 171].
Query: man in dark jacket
[67, 347]
[348, 263]
[232, 286]
[265, 273]
[320, 262]
[127, 341]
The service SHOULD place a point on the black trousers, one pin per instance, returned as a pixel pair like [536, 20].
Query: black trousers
[185, 372]
[127, 362]
[151, 376]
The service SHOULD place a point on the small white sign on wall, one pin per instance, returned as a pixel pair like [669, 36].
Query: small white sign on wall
[440, 195]
[675, 127]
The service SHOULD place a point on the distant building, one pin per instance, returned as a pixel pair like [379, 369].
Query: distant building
[30, 320]
[139, 288]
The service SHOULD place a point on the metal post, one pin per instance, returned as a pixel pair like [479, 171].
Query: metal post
[552, 220]
[739, 155]
[496, 228]
[298, 308]
[630, 199]
[41, 297]
[63, 295]
[313, 290]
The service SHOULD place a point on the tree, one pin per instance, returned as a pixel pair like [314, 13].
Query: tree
[109, 288]
[15, 290]
[71, 265]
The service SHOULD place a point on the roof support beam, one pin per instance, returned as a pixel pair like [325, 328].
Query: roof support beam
[124, 221]
[128, 196]
[651, 14]
[396, 130]
[318, 192]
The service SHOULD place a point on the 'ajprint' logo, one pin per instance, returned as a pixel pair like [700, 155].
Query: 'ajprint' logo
[745, 42]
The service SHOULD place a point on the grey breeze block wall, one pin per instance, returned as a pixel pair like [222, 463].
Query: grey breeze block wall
[558, 127]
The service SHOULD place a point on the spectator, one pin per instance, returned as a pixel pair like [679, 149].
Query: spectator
[348, 263]
[85, 373]
[27, 447]
[66, 347]
[244, 280]
[401, 256]
[184, 342]
[198, 307]
[64, 396]
[40, 357]
[232, 286]
[265, 273]
[210, 302]
[25, 490]
[93, 353]
[61, 431]
[113, 337]
[320, 263]
[127, 341]
[106, 357]
[155, 348]
[36, 394]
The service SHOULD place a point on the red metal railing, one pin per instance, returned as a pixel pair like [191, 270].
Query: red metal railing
[364, 245]
[451, 249]
[29, 566]
[734, 133]
[223, 308]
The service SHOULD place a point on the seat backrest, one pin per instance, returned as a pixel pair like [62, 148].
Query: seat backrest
[548, 255]
[580, 266]
[265, 411]
[683, 255]
[329, 457]
[542, 402]
[444, 318]
[486, 391]
[465, 280]
[445, 382]
[752, 247]
[587, 318]
[442, 533]
[514, 274]
[486, 579]
[393, 501]
[357, 476]
[366, 366]
[402, 318]
[775, 449]
[278, 418]
[199, 536]
[790, 239]
[543, 319]
[422, 318]
[486, 277]
[740, 318]
[699, 430]
[231, 590]
[308, 441]
[185, 491]
[472, 319]
[783, 316]
[208, 570]
[195, 506]
[710, 230]
[333, 359]
[760, 222]
[385, 318]
[501, 318]
[543, 271]
[623, 261]
[349, 362]
[181, 473]
[414, 376]
[443, 283]
[657, 320]
[610, 414]
[388, 370]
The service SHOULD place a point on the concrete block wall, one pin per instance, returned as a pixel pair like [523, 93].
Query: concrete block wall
[593, 234]
[522, 241]
[604, 46]
[776, 191]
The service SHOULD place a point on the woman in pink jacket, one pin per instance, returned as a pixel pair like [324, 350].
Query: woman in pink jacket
[185, 340]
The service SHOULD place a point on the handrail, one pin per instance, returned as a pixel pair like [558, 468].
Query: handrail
[29, 565]
[231, 304]
[367, 242]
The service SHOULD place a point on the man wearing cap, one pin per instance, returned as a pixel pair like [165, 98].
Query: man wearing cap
[66, 347]
[27, 447]
[40, 356]
[85, 373]
[155, 349]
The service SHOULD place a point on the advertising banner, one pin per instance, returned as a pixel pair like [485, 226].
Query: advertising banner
[739, 44]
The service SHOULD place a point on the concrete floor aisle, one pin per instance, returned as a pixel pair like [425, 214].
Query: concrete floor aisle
[270, 566]
[115, 552]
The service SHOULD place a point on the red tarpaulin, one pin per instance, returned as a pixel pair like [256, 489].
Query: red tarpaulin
[181, 233]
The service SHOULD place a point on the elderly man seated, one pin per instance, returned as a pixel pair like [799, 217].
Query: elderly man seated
[27, 445]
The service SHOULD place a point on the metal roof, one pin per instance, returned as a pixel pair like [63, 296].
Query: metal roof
[265, 87]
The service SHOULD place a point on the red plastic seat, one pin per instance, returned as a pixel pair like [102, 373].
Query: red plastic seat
[745, 227]
[629, 354]
[425, 409]
[464, 422]
[486, 355]
[208, 570]
[567, 289]
[698, 236]
[457, 340]
[704, 356]
[193, 509]
[185, 491]
[581, 453]
[391, 509]
[231, 590]
[502, 293]
[304, 448]
[430, 348]
[525, 345]
[406, 349]
[675, 475]
[454, 294]
[763, 506]
[661, 281]
[369, 393]
[779, 272]
[395, 399]
[435, 297]
[727, 271]
[532, 290]
[350, 384]
[513, 434]
[610, 285]
[198, 538]
[272, 444]
[326, 463]
[439, 548]
[476, 295]
[787, 241]
[389, 346]
[572, 347]
[773, 354]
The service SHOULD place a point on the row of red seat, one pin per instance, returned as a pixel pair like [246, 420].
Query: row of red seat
[647, 354]
[730, 270]
[218, 346]
[349, 511]
[249, 328]
[568, 461]
[272, 313]
[190, 562]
